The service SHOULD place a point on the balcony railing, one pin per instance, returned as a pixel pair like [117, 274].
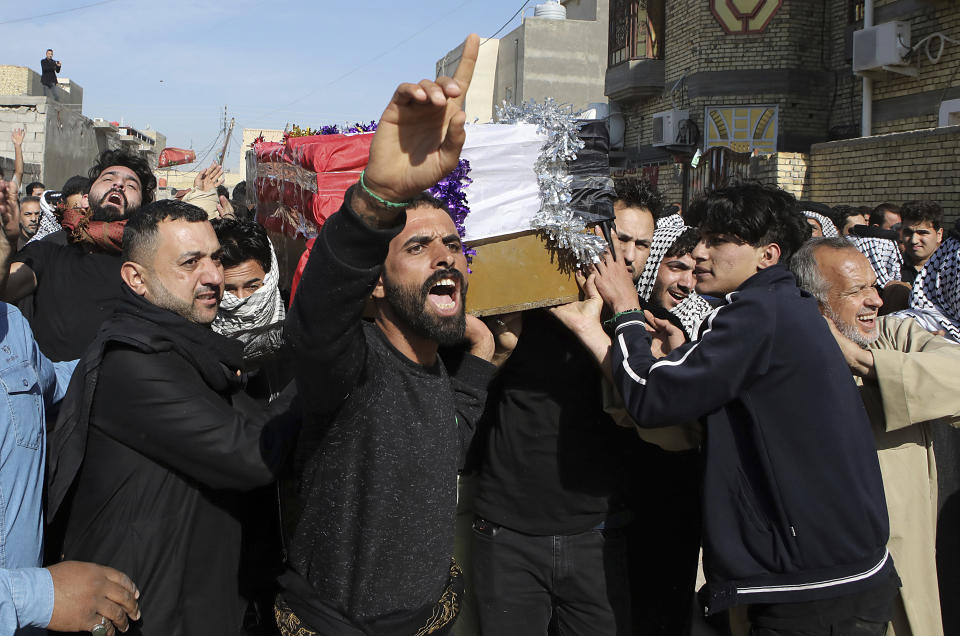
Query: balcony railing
[636, 30]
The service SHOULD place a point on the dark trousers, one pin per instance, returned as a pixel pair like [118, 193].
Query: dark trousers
[864, 613]
[570, 585]
[847, 627]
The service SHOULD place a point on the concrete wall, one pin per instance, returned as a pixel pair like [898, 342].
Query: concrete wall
[70, 144]
[508, 80]
[56, 136]
[479, 105]
[897, 167]
[31, 171]
[583, 10]
[563, 59]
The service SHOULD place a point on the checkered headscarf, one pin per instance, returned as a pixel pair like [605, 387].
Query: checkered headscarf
[826, 225]
[48, 221]
[938, 286]
[883, 254]
[669, 228]
[693, 308]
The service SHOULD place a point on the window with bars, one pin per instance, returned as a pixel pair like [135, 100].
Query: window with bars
[636, 30]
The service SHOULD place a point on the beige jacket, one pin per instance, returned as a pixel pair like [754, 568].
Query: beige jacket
[917, 385]
[206, 201]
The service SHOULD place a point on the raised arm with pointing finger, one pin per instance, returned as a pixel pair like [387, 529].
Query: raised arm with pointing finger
[387, 420]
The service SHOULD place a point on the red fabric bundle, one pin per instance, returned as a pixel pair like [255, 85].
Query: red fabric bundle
[308, 176]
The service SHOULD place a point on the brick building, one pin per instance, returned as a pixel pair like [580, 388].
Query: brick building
[766, 88]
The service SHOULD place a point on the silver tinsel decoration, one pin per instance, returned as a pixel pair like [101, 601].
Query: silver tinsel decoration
[565, 230]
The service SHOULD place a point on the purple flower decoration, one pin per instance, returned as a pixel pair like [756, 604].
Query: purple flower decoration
[450, 191]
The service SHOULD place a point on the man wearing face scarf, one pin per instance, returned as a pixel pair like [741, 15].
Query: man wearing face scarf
[252, 309]
[252, 312]
[76, 285]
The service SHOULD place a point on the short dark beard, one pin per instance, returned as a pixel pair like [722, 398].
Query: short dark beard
[408, 304]
[98, 212]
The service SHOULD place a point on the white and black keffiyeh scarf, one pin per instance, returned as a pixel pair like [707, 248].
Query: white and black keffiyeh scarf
[48, 221]
[883, 254]
[691, 313]
[937, 288]
[252, 320]
[669, 228]
[693, 308]
[827, 227]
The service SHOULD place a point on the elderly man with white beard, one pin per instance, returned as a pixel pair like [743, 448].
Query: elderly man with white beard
[907, 378]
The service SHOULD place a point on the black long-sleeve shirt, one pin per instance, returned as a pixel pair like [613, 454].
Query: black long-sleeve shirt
[382, 441]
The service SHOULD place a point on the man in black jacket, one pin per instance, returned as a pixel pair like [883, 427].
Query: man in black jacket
[386, 419]
[48, 78]
[155, 438]
[795, 521]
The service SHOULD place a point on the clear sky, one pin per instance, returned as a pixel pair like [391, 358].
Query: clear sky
[174, 64]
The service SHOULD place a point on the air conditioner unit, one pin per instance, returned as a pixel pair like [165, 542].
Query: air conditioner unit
[666, 125]
[883, 47]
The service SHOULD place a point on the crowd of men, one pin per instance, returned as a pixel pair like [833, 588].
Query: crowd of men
[741, 403]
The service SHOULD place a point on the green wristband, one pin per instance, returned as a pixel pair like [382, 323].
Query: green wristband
[609, 321]
[381, 201]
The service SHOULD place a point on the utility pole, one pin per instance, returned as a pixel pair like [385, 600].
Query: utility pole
[226, 143]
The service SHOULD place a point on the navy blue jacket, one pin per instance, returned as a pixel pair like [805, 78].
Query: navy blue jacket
[793, 503]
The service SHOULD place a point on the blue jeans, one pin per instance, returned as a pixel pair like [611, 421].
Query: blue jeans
[576, 584]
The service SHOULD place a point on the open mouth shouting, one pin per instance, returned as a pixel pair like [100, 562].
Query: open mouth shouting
[445, 294]
[115, 198]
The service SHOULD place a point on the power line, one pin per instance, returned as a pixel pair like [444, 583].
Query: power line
[46, 15]
[505, 24]
[199, 163]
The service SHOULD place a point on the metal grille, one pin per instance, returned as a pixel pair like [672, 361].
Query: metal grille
[636, 30]
[716, 168]
[623, 31]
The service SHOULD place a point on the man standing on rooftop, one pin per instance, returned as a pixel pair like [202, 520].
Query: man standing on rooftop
[50, 68]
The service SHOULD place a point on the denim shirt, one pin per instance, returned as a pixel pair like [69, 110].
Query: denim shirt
[29, 381]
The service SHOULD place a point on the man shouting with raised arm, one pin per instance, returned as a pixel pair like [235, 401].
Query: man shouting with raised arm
[386, 420]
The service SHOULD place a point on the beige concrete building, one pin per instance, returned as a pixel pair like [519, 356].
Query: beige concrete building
[249, 134]
[59, 140]
[543, 57]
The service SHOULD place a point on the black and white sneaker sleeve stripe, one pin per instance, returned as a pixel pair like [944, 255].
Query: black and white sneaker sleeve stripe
[697, 377]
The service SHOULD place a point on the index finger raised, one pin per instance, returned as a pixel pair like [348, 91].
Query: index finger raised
[468, 61]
